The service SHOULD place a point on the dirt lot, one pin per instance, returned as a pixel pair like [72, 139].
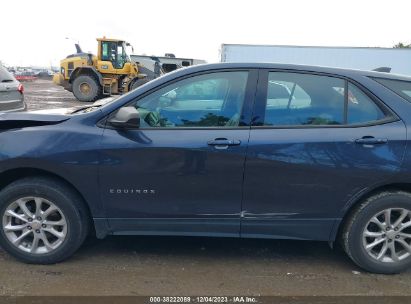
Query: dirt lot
[198, 266]
[43, 94]
[190, 266]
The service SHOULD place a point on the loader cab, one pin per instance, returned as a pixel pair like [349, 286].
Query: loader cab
[114, 59]
[114, 51]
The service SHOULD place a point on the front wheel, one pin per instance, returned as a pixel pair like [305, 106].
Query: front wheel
[86, 88]
[43, 221]
[377, 235]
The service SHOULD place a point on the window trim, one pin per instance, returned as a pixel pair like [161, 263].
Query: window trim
[246, 110]
[345, 114]
[261, 100]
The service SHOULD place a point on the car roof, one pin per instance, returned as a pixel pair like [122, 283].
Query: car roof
[293, 67]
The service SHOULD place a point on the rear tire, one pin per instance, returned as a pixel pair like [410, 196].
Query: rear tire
[59, 231]
[377, 234]
[86, 88]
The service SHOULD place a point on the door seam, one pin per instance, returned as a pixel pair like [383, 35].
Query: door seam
[242, 212]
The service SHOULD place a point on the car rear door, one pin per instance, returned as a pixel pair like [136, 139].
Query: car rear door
[317, 140]
[182, 171]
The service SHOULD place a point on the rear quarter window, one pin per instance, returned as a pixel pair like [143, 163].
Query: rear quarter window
[400, 87]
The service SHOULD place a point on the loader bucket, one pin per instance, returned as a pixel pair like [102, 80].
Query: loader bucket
[58, 78]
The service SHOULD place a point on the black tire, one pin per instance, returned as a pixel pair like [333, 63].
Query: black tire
[93, 91]
[62, 196]
[359, 219]
[137, 83]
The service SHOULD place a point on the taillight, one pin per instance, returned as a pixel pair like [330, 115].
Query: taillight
[20, 88]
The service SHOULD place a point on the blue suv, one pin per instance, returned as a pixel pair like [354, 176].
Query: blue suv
[227, 150]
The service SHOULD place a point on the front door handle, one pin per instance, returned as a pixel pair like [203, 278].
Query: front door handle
[223, 143]
[370, 140]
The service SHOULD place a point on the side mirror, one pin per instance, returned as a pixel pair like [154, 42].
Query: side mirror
[125, 118]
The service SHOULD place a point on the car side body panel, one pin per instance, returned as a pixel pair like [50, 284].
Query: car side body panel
[157, 177]
[172, 181]
[298, 179]
[68, 150]
[298, 183]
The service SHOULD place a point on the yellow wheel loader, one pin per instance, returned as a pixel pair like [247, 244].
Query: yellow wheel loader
[91, 77]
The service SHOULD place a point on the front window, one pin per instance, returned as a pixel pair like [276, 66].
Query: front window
[210, 100]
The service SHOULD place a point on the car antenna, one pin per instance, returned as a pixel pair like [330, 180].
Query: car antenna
[383, 69]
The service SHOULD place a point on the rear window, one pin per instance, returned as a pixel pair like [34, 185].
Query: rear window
[401, 87]
[5, 75]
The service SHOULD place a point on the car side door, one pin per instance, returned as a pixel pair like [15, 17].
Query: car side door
[317, 141]
[181, 171]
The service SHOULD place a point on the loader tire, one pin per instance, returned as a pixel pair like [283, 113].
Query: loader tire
[86, 88]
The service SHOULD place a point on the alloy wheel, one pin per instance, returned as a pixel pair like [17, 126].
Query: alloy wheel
[387, 235]
[34, 225]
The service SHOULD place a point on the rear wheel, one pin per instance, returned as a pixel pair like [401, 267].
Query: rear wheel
[43, 221]
[86, 88]
[377, 236]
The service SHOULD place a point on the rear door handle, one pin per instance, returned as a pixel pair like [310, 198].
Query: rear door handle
[223, 143]
[370, 140]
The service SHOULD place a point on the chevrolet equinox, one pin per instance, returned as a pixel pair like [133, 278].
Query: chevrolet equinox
[225, 150]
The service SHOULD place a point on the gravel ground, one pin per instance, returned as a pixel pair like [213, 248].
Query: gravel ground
[129, 265]
[44, 94]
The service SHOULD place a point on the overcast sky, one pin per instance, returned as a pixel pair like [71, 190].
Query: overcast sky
[34, 32]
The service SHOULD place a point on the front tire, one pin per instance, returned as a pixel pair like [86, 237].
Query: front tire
[86, 88]
[377, 234]
[43, 220]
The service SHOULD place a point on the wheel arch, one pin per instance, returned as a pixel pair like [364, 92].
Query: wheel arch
[86, 71]
[9, 176]
[359, 198]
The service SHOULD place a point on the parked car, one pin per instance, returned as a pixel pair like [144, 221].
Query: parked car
[225, 150]
[11, 92]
